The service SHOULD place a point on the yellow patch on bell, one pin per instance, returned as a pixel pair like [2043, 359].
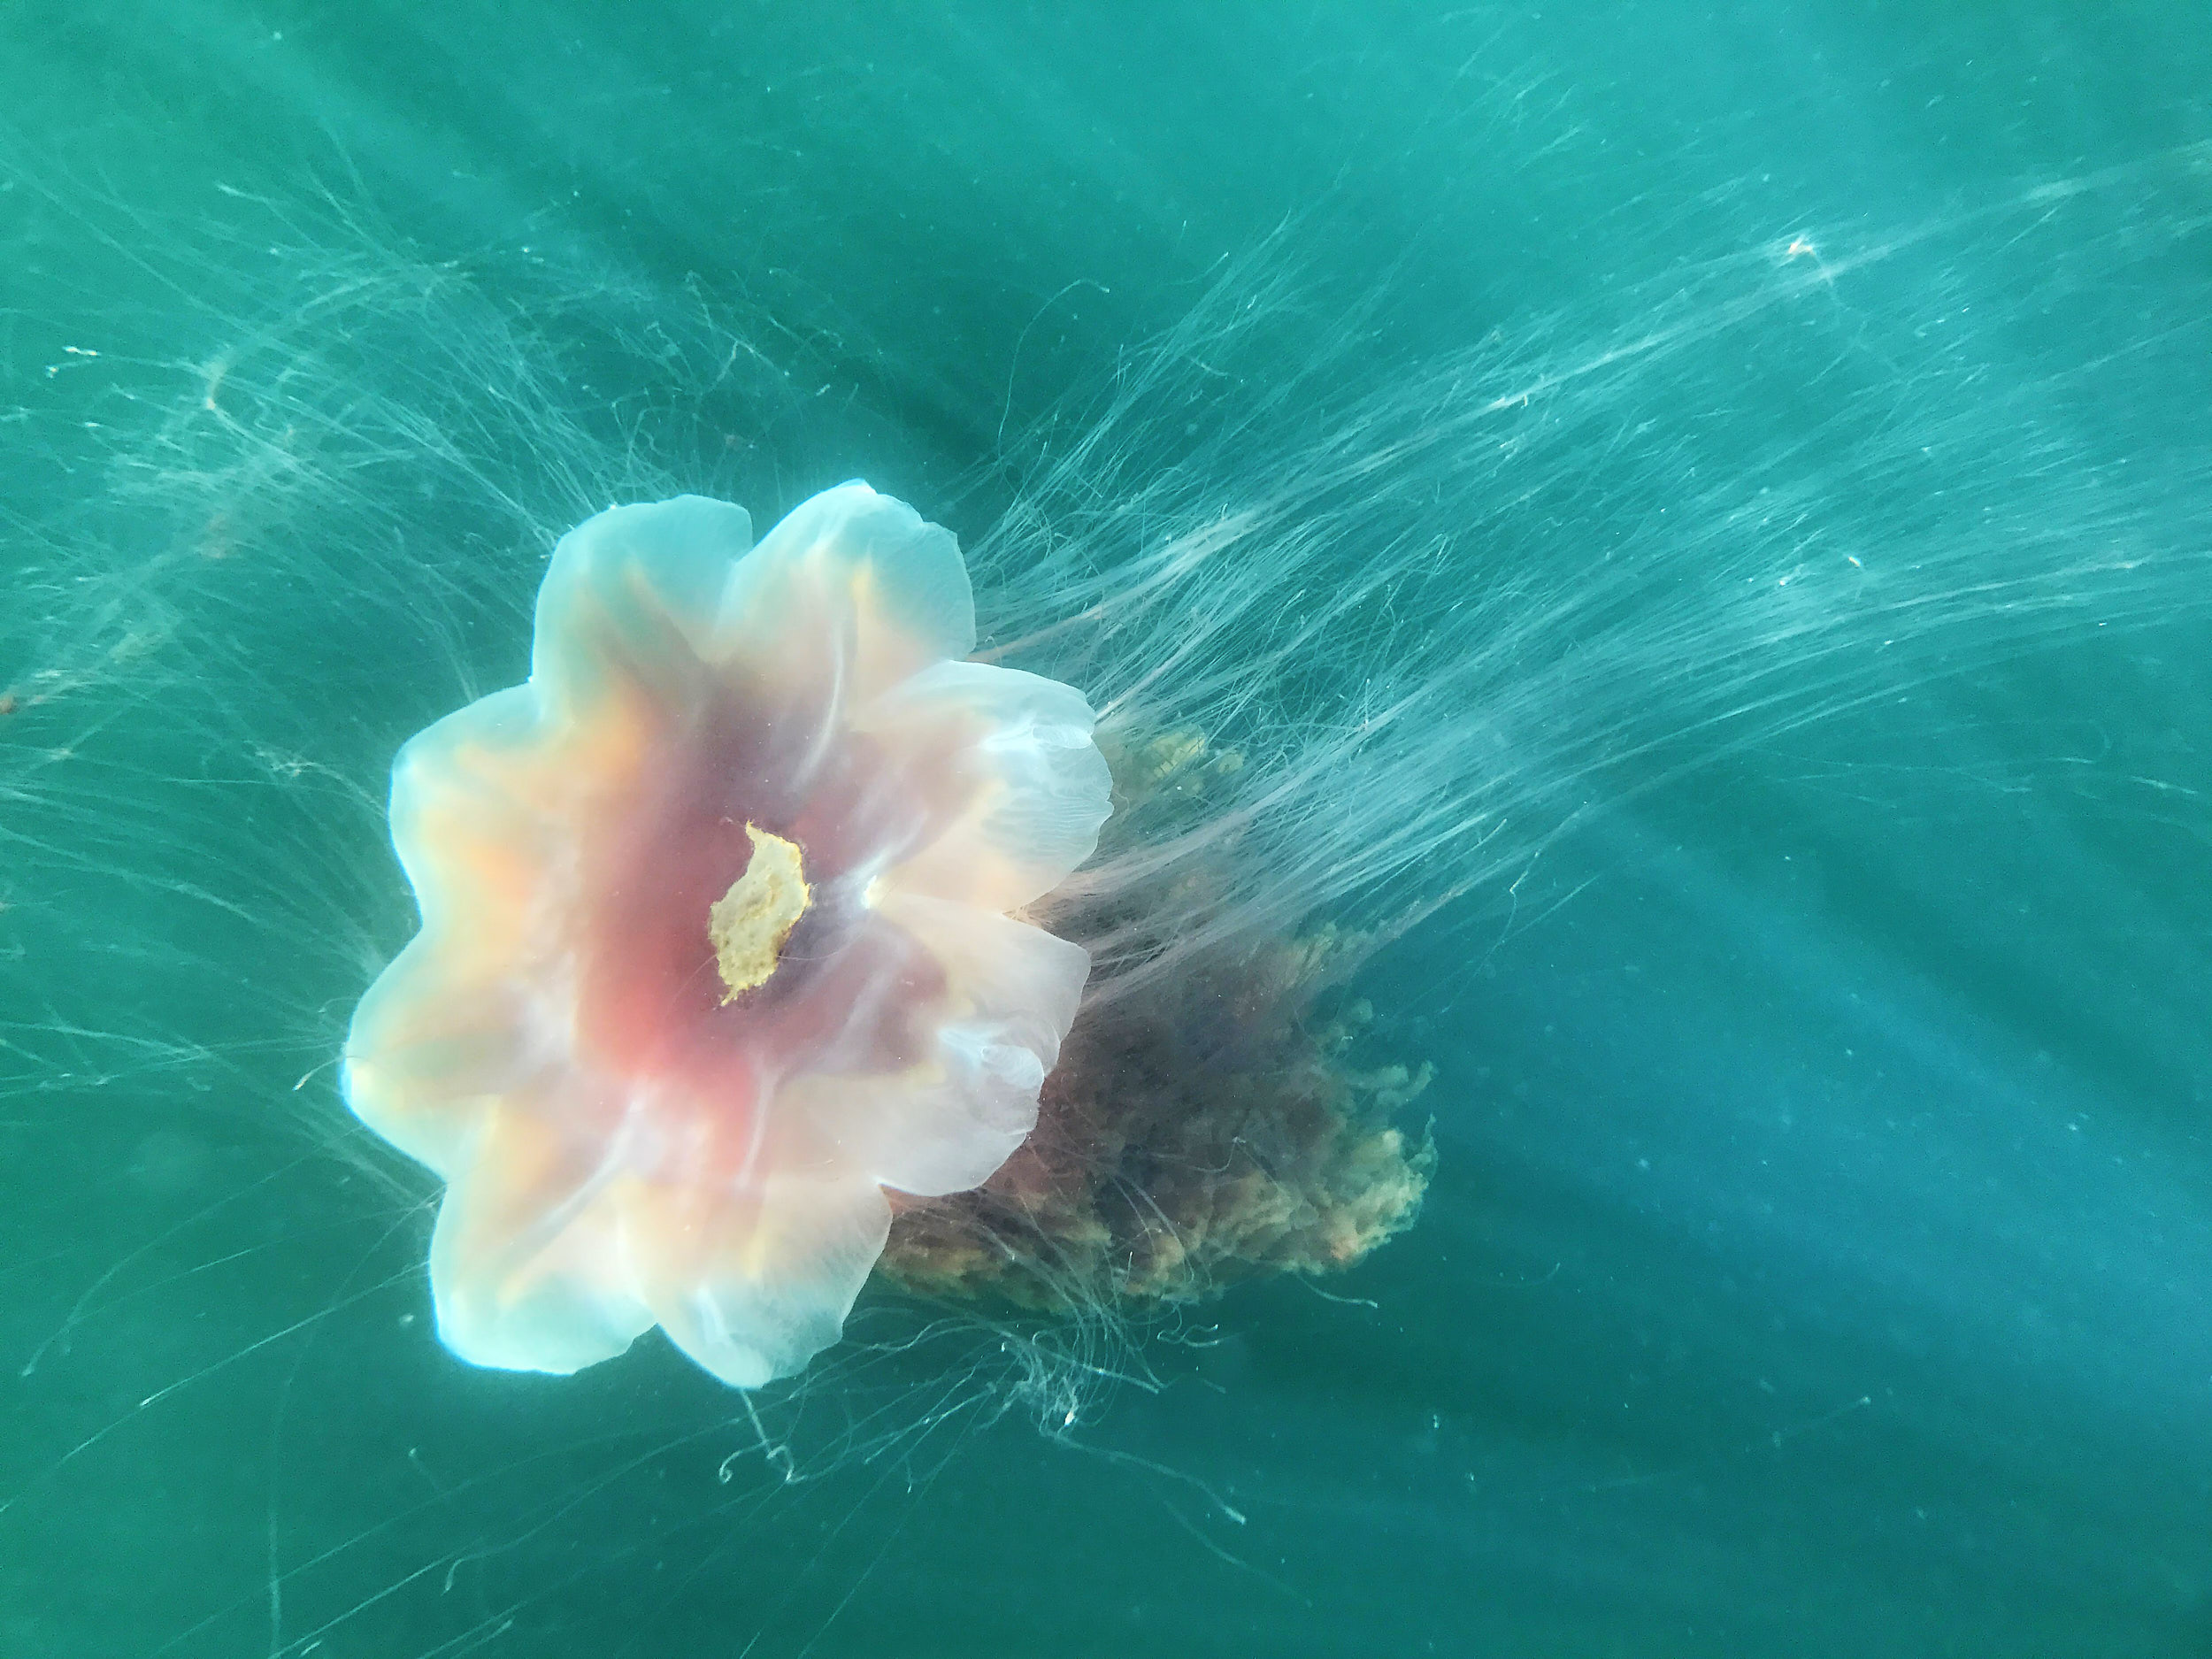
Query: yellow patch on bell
[748, 925]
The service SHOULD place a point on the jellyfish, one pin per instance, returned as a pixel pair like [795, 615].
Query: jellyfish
[722, 937]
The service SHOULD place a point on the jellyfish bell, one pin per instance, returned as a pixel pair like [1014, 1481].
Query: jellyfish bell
[720, 939]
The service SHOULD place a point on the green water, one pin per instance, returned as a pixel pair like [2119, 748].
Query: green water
[1820, 1257]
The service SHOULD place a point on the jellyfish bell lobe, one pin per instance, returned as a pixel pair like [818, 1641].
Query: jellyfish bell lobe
[715, 940]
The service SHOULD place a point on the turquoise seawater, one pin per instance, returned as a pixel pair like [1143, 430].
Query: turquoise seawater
[1820, 1257]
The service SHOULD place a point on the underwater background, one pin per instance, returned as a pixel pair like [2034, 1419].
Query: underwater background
[1819, 1252]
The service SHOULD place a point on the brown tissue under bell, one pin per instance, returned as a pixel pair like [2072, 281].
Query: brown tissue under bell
[1203, 1129]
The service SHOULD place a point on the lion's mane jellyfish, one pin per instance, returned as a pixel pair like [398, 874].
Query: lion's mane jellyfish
[754, 958]
[721, 940]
